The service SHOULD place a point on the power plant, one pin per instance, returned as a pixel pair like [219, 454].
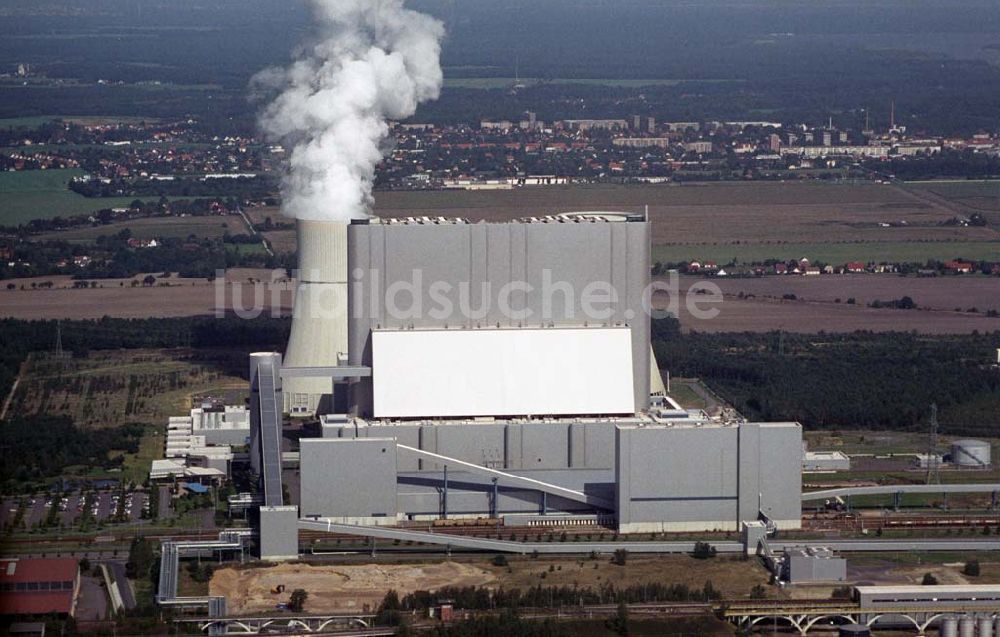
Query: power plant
[500, 375]
[503, 371]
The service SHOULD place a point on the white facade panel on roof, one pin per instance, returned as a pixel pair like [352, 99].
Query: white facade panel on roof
[495, 372]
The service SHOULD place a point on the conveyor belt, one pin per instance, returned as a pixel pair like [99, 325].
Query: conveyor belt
[270, 435]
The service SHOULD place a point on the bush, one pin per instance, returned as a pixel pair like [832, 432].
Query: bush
[703, 551]
[620, 557]
[499, 560]
[971, 568]
[842, 592]
[929, 580]
[298, 600]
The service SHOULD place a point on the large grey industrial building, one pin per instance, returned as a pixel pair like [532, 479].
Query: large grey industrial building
[504, 370]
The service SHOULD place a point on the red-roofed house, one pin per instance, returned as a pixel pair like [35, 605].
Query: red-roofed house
[39, 586]
[959, 266]
[855, 266]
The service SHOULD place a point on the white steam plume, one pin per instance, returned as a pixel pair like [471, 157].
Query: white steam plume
[374, 61]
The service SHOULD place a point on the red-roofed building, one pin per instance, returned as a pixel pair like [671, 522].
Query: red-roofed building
[959, 266]
[39, 586]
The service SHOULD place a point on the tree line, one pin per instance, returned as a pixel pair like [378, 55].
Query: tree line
[850, 380]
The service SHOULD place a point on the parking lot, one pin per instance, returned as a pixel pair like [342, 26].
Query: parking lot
[74, 509]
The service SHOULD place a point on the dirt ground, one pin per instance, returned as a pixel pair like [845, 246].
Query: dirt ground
[338, 588]
[351, 587]
[764, 314]
[814, 309]
[250, 290]
[937, 293]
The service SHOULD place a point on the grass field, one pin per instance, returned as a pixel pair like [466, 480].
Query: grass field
[42, 194]
[83, 120]
[245, 248]
[211, 227]
[687, 397]
[136, 466]
[112, 387]
[26, 122]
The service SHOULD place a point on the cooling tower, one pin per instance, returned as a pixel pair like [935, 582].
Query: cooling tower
[319, 325]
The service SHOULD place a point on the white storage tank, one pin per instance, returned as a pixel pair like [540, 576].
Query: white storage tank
[949, 627]
[967, 627]
[970, 453]
[985, 627]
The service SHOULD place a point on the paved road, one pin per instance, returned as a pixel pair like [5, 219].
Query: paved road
[165, 512]
[117, 569]
[93, 601]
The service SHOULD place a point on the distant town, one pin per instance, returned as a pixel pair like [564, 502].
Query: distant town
[143, 158]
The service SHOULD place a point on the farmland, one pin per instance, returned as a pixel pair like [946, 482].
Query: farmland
[749, 222]
[208, 227]
[974, 196]
[954, 293]
[833, 223]
[834, 253]
[38, 194]
[172, 297]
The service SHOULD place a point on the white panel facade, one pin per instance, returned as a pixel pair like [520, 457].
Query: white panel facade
[497, 372]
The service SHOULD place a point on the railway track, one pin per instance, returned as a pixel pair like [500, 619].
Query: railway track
[856, 523]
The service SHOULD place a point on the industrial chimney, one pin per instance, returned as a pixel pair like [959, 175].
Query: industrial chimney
[319, 320]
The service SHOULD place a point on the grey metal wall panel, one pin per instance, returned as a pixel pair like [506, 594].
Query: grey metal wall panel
[470, 255]
[428, 442]
[677, 474]
[750, 487]
[405, 434]
[279, 532]
[545, 446]
[599, 445]
[780, 470]
[513, 447]
[481, 444]
[333, 470]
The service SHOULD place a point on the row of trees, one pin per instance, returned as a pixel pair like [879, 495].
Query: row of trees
[482, 598]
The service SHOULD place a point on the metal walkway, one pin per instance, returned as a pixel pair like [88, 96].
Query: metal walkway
[170, 553]
[891, 489]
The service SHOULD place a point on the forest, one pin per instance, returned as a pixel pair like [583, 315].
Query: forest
[41, 447]
[859, 380]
